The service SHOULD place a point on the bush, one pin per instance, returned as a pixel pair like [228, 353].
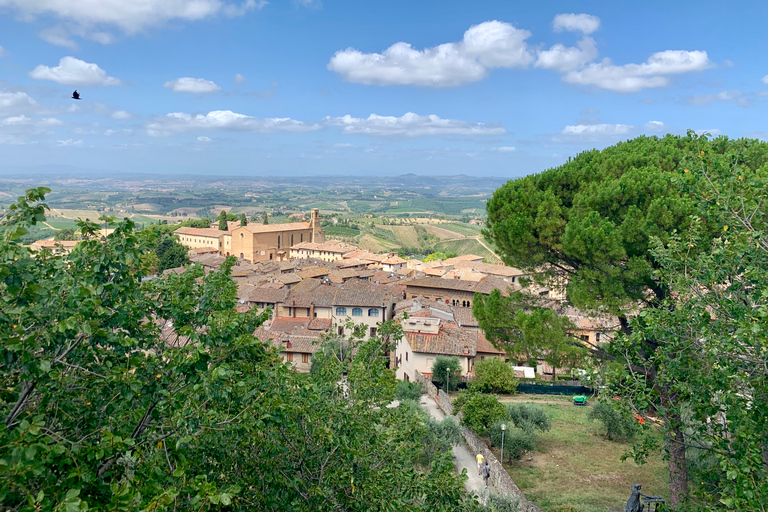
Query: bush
[481, 411]
[529, 417]
[493, 375]
[516, 440]
[443, 367]
[501, 503]
[408, 391]
[617, 423]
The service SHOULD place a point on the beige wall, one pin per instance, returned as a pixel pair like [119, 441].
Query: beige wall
[197, 241]
[251, 245]
[421, 362]
[340, 320]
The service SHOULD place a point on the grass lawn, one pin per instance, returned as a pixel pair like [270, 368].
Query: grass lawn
[575, 469]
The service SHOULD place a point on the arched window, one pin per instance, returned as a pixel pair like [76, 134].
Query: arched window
[357, 311]
[278, 241]
[301, 237]
[373, 312]
[341, 311]
[291, 240]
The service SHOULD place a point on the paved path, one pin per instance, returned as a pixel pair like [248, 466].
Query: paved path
[462, 457]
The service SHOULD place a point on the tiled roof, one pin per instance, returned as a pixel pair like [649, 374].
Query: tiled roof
[393, 260]
[308, 285]
[464, 316]
[319, 324]
[323, 299]
[443, 284]
[449, 341]
[312, 272]
[299, 299]
[370, 297]
[289, 278]
[274, 228]
[486, 347]
[487, 268]
[267, 295]
[206, 232]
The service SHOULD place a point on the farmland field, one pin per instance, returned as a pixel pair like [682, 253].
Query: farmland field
[441, 232]
[406, 235]
[467, 246]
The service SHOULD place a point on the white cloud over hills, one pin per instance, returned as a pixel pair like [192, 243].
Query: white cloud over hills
[192, 85]
[412, 125]
[76, 72]
[492, 44]
[223, 120]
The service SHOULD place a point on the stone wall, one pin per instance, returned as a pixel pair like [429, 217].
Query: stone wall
[444, 402]
[429, 388]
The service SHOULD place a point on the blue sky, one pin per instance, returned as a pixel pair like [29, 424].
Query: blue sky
[249, 87]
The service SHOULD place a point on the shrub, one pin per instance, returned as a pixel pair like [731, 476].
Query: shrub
[516, 440]
[493, 376]
[617, 423]
[444, 366]
[529, 417]
[481, 411]
[501, 503]
[408, 391]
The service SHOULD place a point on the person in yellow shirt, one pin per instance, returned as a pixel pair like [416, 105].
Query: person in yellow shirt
[480, 460]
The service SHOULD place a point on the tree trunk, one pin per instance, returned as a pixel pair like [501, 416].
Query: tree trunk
[678, 472]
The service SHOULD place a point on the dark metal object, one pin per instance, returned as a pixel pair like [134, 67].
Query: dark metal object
[634, 503]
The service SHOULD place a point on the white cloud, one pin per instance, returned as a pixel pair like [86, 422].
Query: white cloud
[193, 85]
[567, 58]
[130, 16]
[121, 114]
[714, 132]
[72, 71]
[764, 79]
[240, 79]
[203, 138]
[492, 44]
[733, 95]
[15, 103]
[411, 125]
[313, 4]
[111, 132]
[585, 23]
[635, 77]
[23, 120]
[655, 127]
[224, 120]
[594, 132]
[69, 143]
[506, 149]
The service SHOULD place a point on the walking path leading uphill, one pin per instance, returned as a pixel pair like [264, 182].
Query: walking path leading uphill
[462, 457]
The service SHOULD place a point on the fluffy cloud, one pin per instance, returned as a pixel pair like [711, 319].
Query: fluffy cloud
[506, 149]
[72, 71]
[411, 125]
[594, 132]
[15, 103]
[585, 23]
[567, 58]
[121, 114]
[635, 77]
[223, 120]
[492, 44]
[733, 95]
[69, 143]
[764, 79]
[23, 120]
[193, 85]
[18, 129]
[130, 16]
[655, 127]
[240, 79]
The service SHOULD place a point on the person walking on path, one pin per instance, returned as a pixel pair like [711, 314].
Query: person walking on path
[486, 473]
[480, 460]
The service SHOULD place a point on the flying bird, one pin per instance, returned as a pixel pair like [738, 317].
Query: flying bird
[75, 95]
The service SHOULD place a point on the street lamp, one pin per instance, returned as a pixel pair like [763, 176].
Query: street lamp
[503, 428]
[447, 380]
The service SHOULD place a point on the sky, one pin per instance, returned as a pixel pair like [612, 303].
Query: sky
[307, 87]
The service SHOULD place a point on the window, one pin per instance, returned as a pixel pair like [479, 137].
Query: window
[373, 331]
[341, 331]
[341, 311]
[301, 237]
[357, 311]
[291, 240]
[304, 358]
[278, 241]
[406, 356]
[373, 312]
[289, 357]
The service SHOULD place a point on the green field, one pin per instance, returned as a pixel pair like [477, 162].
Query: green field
[341, 231]
[575, 469]
[466, 246]
[461, 229]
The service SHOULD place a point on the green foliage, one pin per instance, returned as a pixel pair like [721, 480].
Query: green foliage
[243, 220]
[444, 369]
[222, 218]
[265, 218]
[517, 441]
[618, 422]
[502, 503]
[440, 256]
[205, 222]
[65, 234]
[480, 411]
[493, 375]
[125, 394]
[529, 417]
[408, 391]
[171, 254]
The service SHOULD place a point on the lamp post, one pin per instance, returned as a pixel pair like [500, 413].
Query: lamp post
[447, 380]
[503, 428]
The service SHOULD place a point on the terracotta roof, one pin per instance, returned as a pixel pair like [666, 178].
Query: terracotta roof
[352, 262]
[436, 271]
[299, 299]
[487, 268]
[312, 272]
[267, 295]
[206, 232]
[319, 324]
[393, 260]
[203, 250]
[465, 257]
[443, 284]
[289, 278]
[307, 344]
[464, 317]
[449, 341]
[308, 285]
[273, 228]
[370, 297]
[486, 347]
